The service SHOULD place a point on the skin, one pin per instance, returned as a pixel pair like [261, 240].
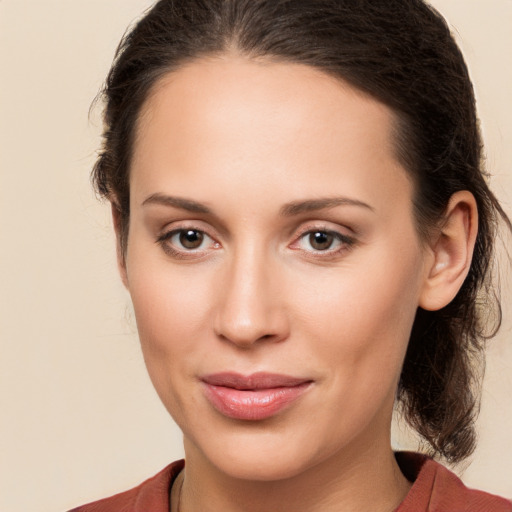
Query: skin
[246, 139]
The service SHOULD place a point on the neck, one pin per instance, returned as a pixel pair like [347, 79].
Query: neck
[352, 481]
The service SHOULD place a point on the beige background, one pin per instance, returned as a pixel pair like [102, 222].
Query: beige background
[78, 417]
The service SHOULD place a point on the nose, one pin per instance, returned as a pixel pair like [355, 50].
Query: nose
[250, 302]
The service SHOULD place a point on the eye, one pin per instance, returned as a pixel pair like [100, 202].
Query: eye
[320, 240]
[190, 238]
[186, 242]
[323, 240]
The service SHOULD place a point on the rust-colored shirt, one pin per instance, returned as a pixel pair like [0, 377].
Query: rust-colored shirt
[435, 489]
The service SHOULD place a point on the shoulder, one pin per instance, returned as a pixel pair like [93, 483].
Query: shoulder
[152, 494]
[437, 489]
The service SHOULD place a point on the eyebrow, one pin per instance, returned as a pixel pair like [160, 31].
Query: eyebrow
[177, 202]
[310, 205]
[287, 210]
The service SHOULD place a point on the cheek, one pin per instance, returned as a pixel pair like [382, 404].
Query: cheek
[362, 313]
[167, 307]
[170, 313]
[171, 305]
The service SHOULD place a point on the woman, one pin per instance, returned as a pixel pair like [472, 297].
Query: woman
[306, 233]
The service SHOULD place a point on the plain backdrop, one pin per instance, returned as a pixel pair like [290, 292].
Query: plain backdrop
[79, 419]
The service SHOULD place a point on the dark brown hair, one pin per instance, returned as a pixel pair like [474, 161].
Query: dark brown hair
[400, 52]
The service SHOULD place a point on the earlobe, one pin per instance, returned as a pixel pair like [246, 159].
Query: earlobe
[121, 259]
[451, 252]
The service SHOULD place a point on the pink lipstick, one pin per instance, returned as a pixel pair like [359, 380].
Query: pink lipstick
[253, 397]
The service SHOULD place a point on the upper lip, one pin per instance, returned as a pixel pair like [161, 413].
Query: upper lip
[259, 380]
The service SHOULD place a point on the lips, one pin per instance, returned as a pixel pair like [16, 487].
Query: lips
[253, 397]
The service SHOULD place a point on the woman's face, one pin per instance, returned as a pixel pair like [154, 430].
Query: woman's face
[273, 264]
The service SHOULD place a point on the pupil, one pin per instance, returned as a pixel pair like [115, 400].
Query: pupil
[320, 240]
[191, 239]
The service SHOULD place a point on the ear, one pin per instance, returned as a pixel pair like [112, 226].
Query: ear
[451, 251]
[121, 259]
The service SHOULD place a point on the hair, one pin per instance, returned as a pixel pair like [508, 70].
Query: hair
[400, 52]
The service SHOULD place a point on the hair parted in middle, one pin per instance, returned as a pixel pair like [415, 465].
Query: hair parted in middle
[400, 52]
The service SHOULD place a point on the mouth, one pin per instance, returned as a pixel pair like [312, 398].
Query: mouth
[253, 397]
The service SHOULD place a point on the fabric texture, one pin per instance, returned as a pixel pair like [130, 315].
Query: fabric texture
[435, 489]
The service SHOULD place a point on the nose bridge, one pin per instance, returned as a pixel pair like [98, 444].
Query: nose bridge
[249, 308]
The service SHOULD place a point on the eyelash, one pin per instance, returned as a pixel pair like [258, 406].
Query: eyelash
[346, 243]
[183, 254]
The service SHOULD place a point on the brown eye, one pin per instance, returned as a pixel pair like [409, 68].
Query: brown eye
[323, 243]
[191, 238]
[320, 240]
[187, 243]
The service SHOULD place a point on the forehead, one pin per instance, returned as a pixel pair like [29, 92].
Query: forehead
[231, 117]
[259, 92]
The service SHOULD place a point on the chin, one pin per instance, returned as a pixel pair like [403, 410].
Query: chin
[262, 465]
[257, 453]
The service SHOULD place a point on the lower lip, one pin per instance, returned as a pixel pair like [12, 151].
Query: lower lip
[253, 404]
